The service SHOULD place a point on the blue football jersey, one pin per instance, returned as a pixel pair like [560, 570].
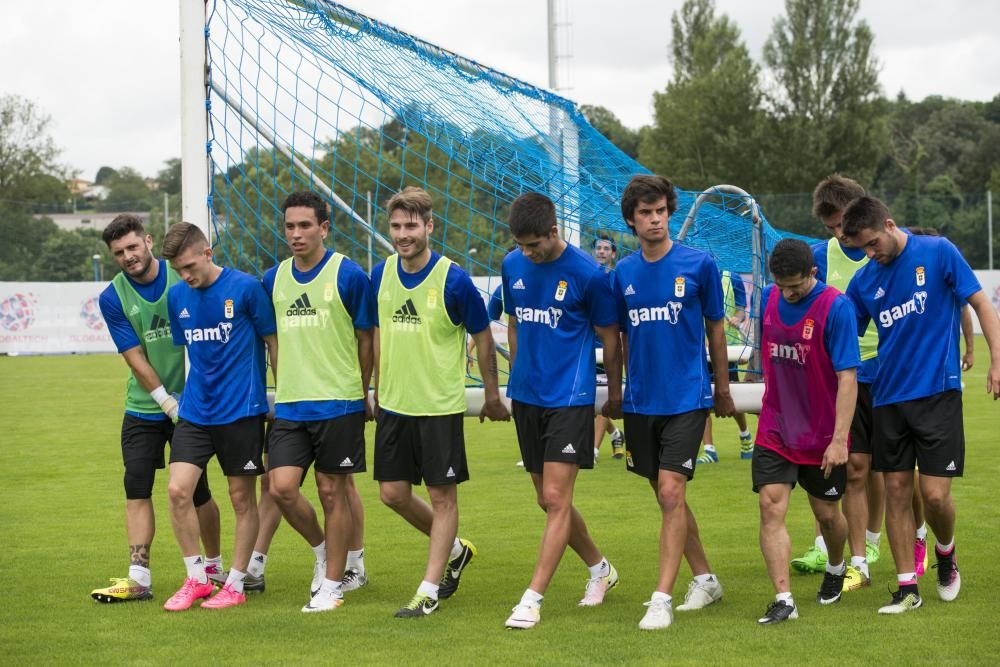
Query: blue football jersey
[556, 306]
[916, 302]
[222, 326]
[662, 307]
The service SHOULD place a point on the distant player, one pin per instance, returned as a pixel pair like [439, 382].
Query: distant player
[914, 291]
[134, 307]
[224, 318]
[426, 304]
[556, 297]
[606, 254]
[324, 310]
[864, 500]
[667, 296]
[810, 359]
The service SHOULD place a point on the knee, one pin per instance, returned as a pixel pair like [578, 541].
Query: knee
[330, 491]
[936, 500]
[671, 498]
[771, 510]
[392, 498]
[282, 493]
[827, 515]
[180, 495]
[857, 470]
[241, 499]
[551, 500]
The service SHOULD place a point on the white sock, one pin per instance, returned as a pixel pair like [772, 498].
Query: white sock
[785, 597]
[821, 543]
[235, 580]
[873, 537]
[861, 563]
[196, 568]
[837, 569]
[922, 531]
[657, 595]
[356, 560]
[597, 452]
[906, 578]
[456, 550]
[616, 433]
[531, 598]
[602, 569]
[331, 588]
[140, 575]
[709, 447]
[257, 563]
[320, 551]
[944, 548]
[744, 434]
[216, 561]
[427, 588]
[704, 578]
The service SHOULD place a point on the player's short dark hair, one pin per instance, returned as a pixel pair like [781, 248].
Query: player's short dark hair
[532, 213]
[122, 225]
[647, 189]
[180, 237]
[412, 200]
[307, 199]
[864, 213]
[605, 237]
[833, 194]
[790, 258]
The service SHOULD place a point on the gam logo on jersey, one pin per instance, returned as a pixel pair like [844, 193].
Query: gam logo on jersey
[669, 313]
[549, 316]
[794, 354]
[916, 304]
[219, 334]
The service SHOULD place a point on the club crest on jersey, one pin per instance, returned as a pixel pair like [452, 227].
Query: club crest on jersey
[561, 290]
[328, 292]
[807, 329]
[678, 287]
[229, 309]
[432, 298]
[921, 278]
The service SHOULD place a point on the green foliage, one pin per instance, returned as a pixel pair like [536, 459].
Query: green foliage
[607, 123]
[29, 171]
[23, 238]
[129, 192]
[105, 175]
[169, 177]
[707, 119]
[825, 111]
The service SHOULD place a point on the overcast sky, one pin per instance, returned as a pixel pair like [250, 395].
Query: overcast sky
[107, 70]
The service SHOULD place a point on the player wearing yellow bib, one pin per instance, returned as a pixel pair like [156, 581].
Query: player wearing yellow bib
[864, 498]
[134, 307]
[426, 304]
[324, 310]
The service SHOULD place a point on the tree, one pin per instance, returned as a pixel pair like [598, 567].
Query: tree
[23, 237]
[607, 123]
[129, 192]
[826, 113]
[27, 152]
[706, 121]
[105, 175]
[169, 177]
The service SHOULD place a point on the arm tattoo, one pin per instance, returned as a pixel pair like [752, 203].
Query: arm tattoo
[140, 554]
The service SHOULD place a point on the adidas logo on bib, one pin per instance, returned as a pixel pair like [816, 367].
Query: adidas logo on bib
[629, 291]
[134, 310]
[519, 284]
[406, 314]
[249, 466]
[300, 306]
[831, 492]
[346, 463]
[951, 467]
[568, 449]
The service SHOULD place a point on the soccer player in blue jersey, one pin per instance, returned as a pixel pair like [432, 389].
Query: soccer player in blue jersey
[668, 295]
[914, 292]
[426, 305]
[556, 297]
[224, 318]
[606, 253]
[325, 313]
[864, 500]
[142, 335]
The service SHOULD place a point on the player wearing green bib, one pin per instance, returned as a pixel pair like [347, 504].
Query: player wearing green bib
[426, 304]
[134, 307]
[323, 306]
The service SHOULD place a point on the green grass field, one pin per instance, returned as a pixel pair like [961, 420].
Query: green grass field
[62, 534]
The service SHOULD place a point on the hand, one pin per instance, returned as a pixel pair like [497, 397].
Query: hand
[735, 322]
[376, 410]
[612, 408]
[724, 404]
[170, 407]
[495, 410]
[993, 380]
[968, 359]
[369, 410]
[835, 455]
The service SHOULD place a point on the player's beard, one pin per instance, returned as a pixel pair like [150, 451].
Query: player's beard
[143, 267]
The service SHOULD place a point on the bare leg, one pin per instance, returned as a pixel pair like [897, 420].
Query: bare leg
[209, 527]
[140, 526]
[398, 496]
[918, 502]
[876, 501]
[183, 478]
[299, 512]
[357, 508]
[269, 515]
[833, 525]
[775, 544]
[899, 518]
[674, 527]
[333, 496]
[243, 494]
[855, 503]
[939, 506]
[444, 529]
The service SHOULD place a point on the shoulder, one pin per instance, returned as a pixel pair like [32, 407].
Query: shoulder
[271, 274]
[109, 300]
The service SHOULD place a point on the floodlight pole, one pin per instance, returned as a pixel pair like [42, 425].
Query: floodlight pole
[195, 175]
[989, 226]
